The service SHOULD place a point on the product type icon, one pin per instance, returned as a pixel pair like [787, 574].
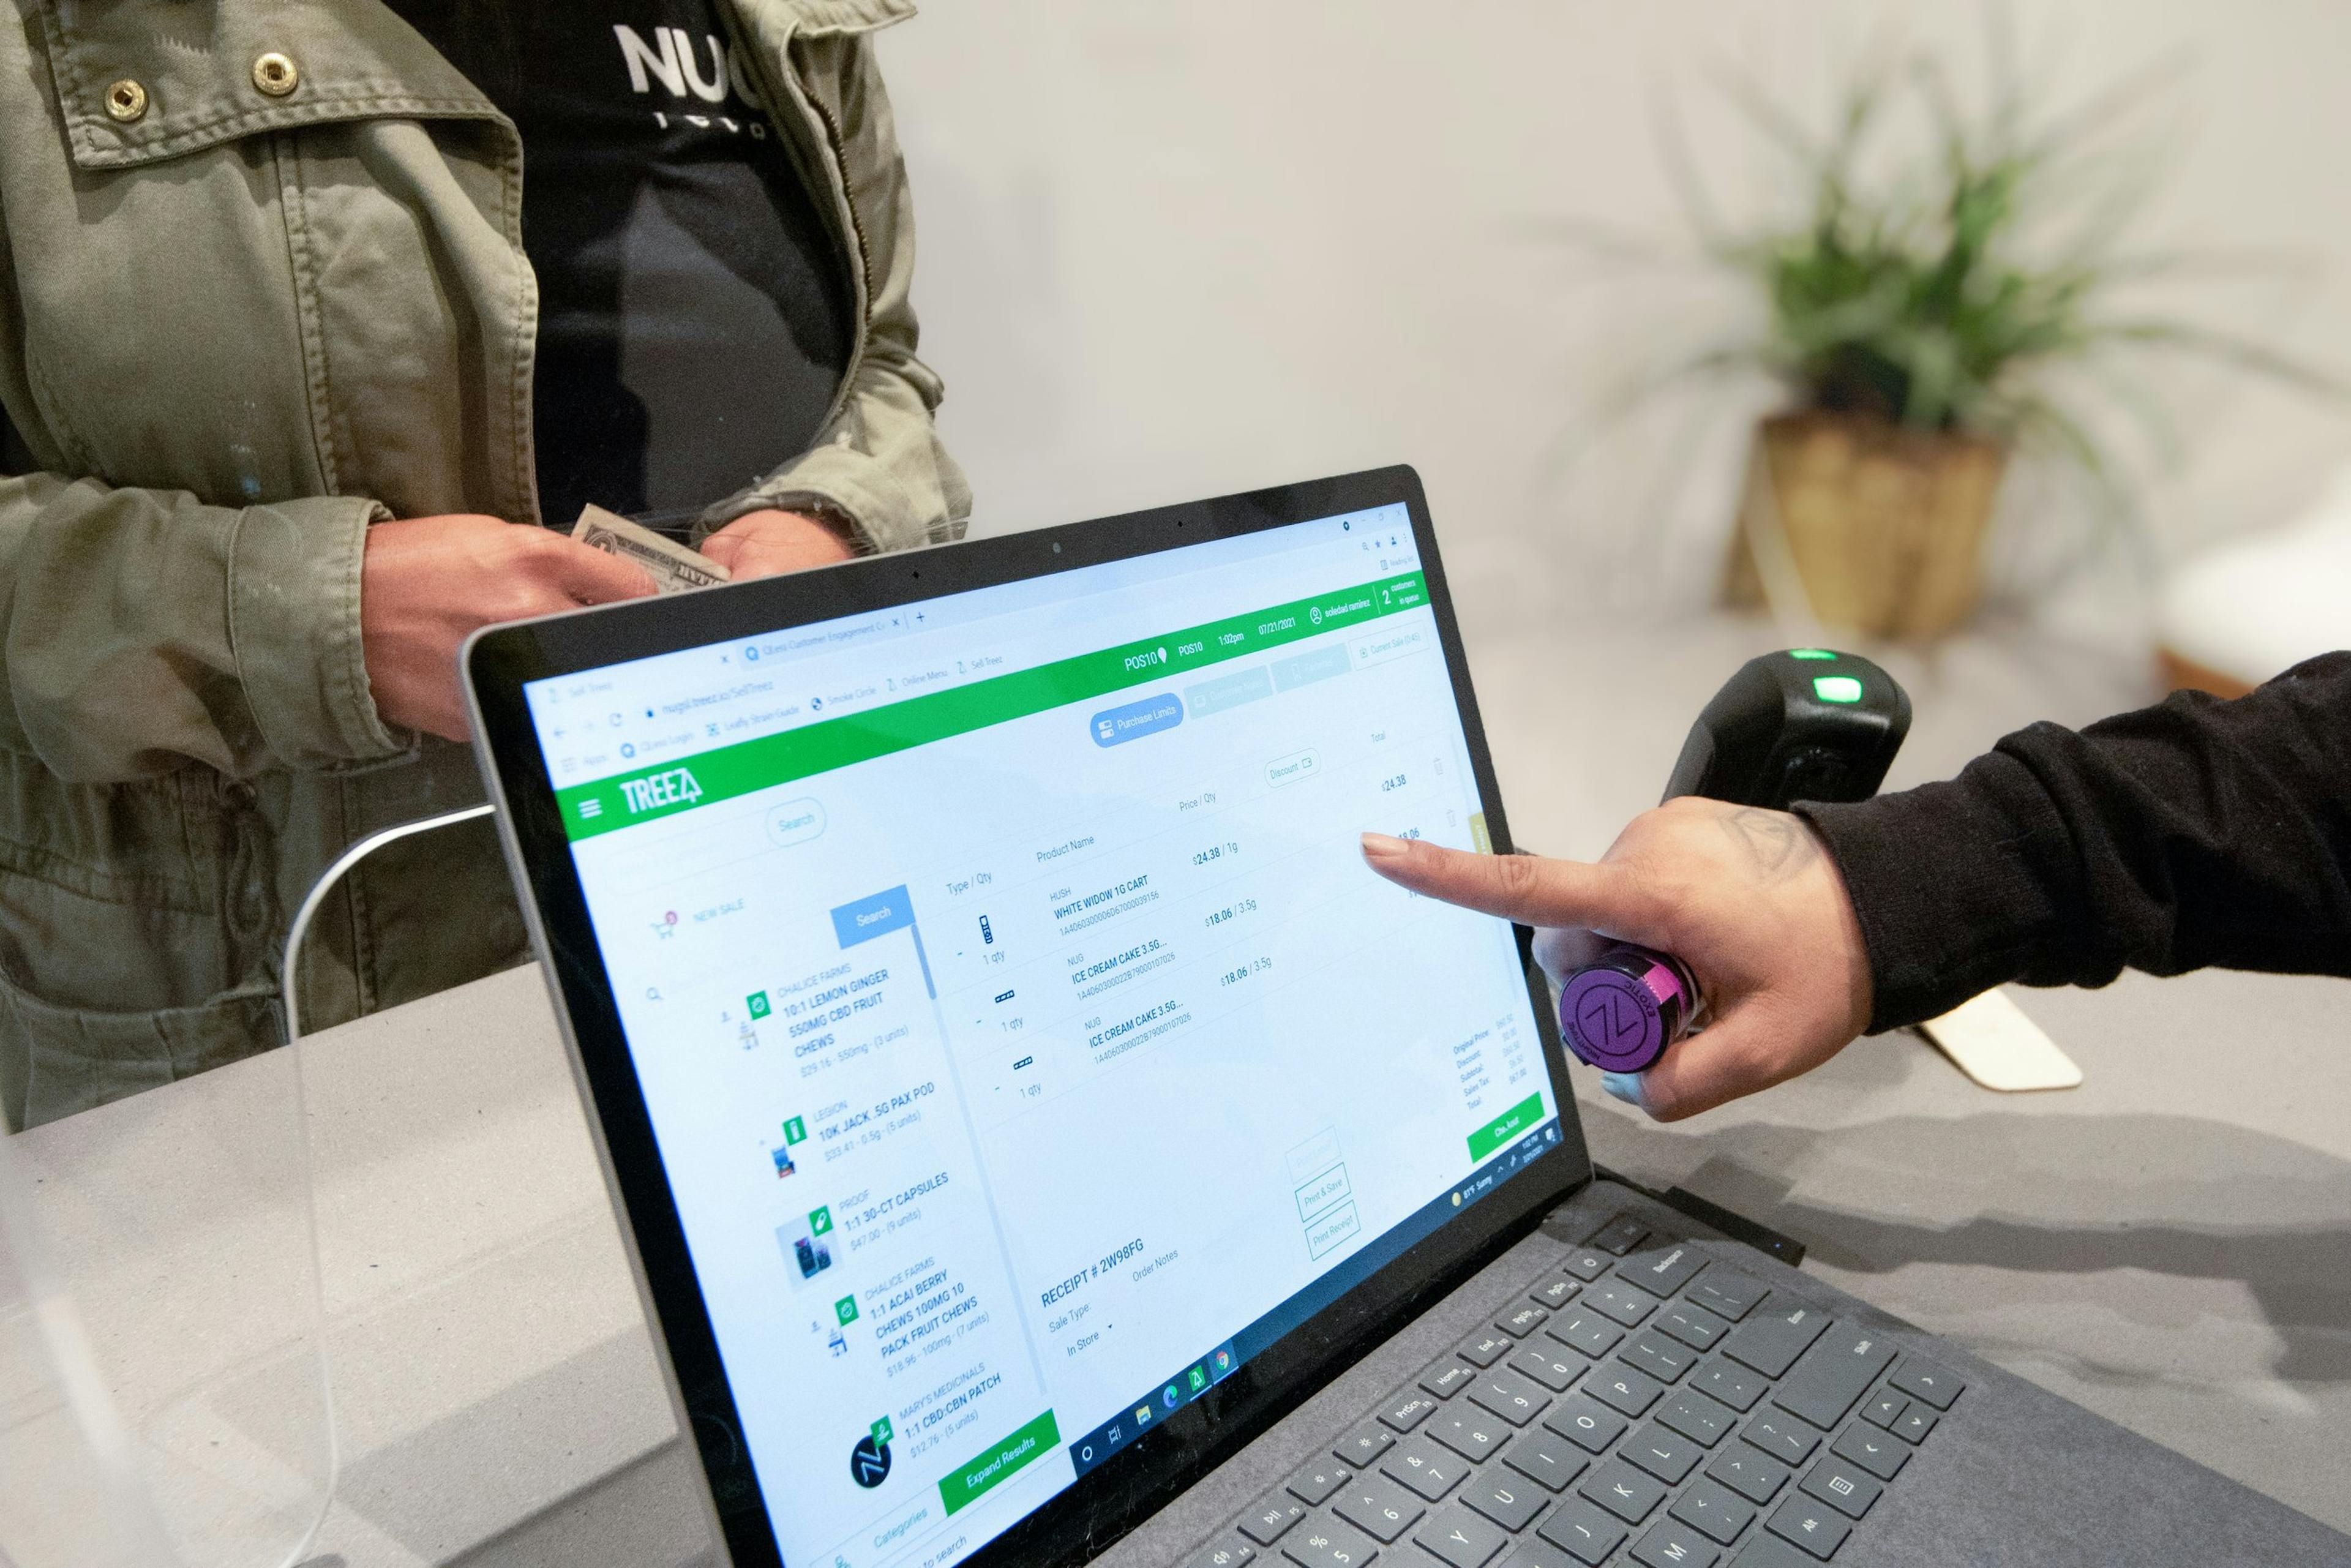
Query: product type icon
[796, 1131]
[758, 1004]
[881, 1431]
[820, 1222]
[844, 1311]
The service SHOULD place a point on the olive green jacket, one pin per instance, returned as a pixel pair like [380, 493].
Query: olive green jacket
[261, 283]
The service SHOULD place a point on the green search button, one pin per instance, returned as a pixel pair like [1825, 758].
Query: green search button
[967, 1484]
[1518, 1119]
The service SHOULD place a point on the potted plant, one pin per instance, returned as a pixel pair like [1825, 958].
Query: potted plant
[1922, 315]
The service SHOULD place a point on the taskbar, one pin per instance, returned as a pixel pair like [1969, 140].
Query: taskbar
[1149, 1410]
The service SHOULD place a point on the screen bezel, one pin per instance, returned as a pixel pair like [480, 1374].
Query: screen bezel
[1113, 1497]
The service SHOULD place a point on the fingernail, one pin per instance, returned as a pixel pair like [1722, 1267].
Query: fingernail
[1625, 1086]
[1380, 847]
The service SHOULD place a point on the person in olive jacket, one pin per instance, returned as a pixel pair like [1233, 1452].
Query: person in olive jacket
[294, 363]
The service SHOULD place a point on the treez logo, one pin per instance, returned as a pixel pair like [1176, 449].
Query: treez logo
[656, 791]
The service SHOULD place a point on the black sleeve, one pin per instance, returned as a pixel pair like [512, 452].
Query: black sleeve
[2191, 834]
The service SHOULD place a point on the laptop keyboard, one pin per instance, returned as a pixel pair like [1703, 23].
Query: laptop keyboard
[1638, 1405]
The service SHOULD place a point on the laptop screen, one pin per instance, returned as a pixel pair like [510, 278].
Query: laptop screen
[1025, 1045]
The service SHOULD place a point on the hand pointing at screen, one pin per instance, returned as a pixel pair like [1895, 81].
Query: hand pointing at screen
[1748, 898]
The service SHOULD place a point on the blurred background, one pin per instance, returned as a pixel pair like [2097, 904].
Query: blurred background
[1172, 251]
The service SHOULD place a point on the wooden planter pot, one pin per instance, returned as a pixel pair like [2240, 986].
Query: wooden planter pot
[1879, 529]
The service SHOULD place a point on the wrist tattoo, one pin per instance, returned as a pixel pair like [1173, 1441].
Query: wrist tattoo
[1780, 845]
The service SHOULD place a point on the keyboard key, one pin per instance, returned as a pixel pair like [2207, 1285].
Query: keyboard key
[1733, 1385]
[1378, 1507]
[1835, 1373]
[1364, 1444]
[1506, 1393]
[1715, 1508]
[1770, 1551]
[1555, 1292]
[1484, 1349]
[1661, 1270]
[1548, 1367]
[1587, 1263]
[1670, 1544]
[1924, 1380]
[1817, 1530]
[1846, 1488]
[1771, 1339]
[1694, 1326]
[1622, 1492]
[1582, 1530]
[1615, 1298]
[1230, 1552]
[1619, 1235]
[1872, 1449]
[1915, 1423]
[1790, 1442]
[1585, 1332]
[1728, 1291]
[1271, 1519]
[1460, 1537]
[1886, 1409]
[1318, 1480]
[1327, 1543]
[1668, 1455]
[1521, 1321]
[1539, 1554]
[1468, 1431]
[1407, 1410]
[1697, 1417]
[1585, 1422]
[1423, 1466]
[1749, 1473]
[1619, 1385]
[1509, 1501]
[1447, 1378]
[1546, 1458]
[1663, 1359]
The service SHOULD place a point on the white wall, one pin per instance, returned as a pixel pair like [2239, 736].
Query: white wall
[1174, 247]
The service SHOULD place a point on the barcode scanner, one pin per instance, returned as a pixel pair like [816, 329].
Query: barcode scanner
[1804, 725]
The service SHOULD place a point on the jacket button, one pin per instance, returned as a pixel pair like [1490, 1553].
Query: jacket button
[274, 74]
[126, 100]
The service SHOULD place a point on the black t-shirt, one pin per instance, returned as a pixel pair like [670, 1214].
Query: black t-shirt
[2195, 832]
[695, 316]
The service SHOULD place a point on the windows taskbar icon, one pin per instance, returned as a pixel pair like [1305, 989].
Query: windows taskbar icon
[1184, 1388]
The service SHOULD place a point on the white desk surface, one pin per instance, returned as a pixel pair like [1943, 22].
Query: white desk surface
[2170, 1244]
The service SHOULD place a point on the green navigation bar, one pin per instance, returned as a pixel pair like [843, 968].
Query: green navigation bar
[1506, 1127]
[967, 1483]
[728, 771]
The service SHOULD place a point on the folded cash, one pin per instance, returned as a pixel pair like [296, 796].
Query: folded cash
[675, 568]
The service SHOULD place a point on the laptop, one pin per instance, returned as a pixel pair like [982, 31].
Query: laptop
[1041, 1141]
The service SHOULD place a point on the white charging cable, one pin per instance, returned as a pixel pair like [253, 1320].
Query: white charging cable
[334, 873]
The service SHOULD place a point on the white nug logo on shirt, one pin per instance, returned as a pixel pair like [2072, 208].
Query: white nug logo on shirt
[679, 66]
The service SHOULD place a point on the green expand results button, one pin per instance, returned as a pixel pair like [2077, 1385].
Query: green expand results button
[967, 1484]
[1518, 1119]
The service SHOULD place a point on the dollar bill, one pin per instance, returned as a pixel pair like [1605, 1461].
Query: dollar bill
[675, 568]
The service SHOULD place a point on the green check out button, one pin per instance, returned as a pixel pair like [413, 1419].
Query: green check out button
[967, 1483]
[1520, 1118]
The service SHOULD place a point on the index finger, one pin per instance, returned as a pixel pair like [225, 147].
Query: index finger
[1532, 890]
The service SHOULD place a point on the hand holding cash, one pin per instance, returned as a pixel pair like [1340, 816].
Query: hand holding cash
[674, 567]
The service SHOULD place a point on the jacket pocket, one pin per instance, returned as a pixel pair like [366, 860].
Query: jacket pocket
[56, 1061]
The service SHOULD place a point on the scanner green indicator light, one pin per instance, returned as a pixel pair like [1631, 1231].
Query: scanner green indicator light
[1836, 688]
[1810, 654]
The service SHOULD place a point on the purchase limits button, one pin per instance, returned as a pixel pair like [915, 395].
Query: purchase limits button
[1117, 725]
